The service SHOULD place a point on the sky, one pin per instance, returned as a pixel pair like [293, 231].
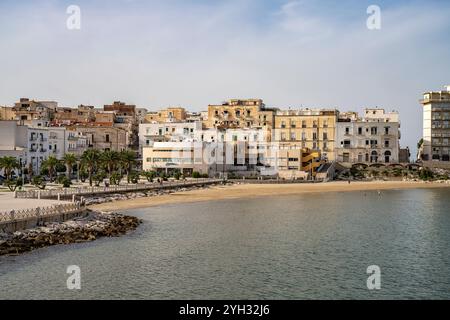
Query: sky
[291, 54]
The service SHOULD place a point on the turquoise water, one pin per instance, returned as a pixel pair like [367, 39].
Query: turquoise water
[315, 246]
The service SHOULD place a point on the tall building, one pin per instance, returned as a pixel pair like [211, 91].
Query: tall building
[312, 129]
[436, 128]
[373, 138]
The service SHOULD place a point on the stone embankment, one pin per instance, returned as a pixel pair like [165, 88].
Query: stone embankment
[94, 225]
[98, 199]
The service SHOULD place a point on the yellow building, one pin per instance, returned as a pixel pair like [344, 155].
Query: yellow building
[237, 113]
[172, 114]
[307, 129]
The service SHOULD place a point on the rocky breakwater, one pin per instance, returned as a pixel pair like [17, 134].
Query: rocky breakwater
[89, 228]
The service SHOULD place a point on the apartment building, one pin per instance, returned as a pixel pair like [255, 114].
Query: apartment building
[240, 113]
[27, 111]
[373, 138]
[184, 157]
[101, 137]
[125, 119]
[436, 128]
[70, 116]
[308, 129]
[167, 131]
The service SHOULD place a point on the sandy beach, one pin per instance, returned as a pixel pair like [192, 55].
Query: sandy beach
[259, 190]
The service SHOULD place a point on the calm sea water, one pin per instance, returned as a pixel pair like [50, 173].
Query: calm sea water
[315, 246]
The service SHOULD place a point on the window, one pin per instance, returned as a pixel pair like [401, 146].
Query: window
[386, 143]
[347, 130]
[346, 143]
[386, 130]
[373, 130]
[283, 124]
[303, 135]
[325, 136]
[107, 138]
[293, 124]
[360, 130]
[283, 136]
[314, 135]
[303, 124]
[292, 136]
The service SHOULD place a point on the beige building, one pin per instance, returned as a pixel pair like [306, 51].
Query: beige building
[27, 111]
[240, 113]
[171, 114]
[7, 113]
[311, 129]
[69, 116]
[436, 128]
[101, 137]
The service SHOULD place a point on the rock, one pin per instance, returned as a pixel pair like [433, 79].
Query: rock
[89, 228]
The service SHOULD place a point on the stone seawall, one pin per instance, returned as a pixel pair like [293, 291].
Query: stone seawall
[32, 222]
[82, 229]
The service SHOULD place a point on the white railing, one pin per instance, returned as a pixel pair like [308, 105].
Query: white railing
[14, 215]
[86, 191]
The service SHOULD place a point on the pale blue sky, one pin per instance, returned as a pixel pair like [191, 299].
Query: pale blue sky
[192, 53]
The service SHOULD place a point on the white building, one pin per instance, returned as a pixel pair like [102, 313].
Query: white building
[436, 128]
[168, 131]
[13, 142]
[373, 138]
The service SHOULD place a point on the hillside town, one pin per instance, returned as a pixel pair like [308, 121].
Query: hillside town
[236, 138]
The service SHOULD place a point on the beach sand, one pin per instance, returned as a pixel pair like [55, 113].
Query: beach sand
[237, 191]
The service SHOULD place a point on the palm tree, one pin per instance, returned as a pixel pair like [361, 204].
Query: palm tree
[8, 164]
[127, 159]
[109, 159]
[69, 160]
[89, 160]
[50, 164]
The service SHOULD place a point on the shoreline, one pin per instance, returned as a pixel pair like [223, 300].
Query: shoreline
[248, 191]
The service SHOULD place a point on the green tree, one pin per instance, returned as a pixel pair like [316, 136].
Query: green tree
[50, 164]
[9, 164]
[89, 161]
[38, 182]
[109, 160]
[70, 160]
[127, 160]
[149, 175]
